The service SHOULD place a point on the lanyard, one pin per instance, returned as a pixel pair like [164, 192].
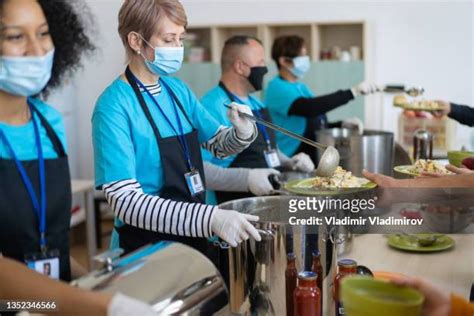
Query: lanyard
[180, 134]
[257, 113]
[39, 207]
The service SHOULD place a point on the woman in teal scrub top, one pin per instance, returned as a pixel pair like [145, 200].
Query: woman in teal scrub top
[147, 131]
[41, 42]
[292, 104]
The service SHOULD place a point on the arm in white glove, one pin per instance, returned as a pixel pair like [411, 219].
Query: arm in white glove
[258, 182]
[364, 88]
[234, 227]
[245, 128]
[299, 162]
[122, 305]
[226, 179]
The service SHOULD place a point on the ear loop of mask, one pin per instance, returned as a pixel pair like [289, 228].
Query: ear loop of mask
[139, 52]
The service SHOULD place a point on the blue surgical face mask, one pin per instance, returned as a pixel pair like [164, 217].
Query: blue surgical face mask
[168, 60]
[25, 76]
[301, 65]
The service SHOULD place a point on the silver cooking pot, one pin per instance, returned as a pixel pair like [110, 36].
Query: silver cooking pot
[174, 278]
[373, 150]
[257, 269]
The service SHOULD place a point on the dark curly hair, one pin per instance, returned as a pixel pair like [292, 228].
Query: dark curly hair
[67, 22]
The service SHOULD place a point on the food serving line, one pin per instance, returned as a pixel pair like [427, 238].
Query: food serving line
[257, 271]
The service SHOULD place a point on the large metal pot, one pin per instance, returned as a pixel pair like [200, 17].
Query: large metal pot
[174, 278]
[373, 150]
[257, 269]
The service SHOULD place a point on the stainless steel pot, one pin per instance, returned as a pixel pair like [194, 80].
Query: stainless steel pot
[373, 150]
[257, 269]
[175, 279]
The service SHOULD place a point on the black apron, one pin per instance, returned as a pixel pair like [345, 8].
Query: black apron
[19, 233]
[252, 157]
[175, 187]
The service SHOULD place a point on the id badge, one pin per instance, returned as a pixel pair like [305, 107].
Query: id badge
[271, 157]
[194, 182]
[44, 263]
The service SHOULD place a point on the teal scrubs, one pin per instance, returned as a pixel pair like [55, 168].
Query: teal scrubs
[214, 101]
[22, 138]
[279, 96]
[124, 143]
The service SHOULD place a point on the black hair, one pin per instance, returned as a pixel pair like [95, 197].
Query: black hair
[287, 46]
[68, 22]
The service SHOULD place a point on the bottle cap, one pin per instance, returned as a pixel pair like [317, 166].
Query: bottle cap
[347, 263]
[307, 275]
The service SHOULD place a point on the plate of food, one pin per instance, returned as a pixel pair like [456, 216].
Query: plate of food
[423, 165]
[413, 242]
[341, 182]
[417, 104]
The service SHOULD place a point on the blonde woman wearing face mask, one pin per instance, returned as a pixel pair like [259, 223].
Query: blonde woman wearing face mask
[40, 42]
[147, 131]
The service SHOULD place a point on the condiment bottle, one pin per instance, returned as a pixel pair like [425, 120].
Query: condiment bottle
[307, 297]
[345, 267]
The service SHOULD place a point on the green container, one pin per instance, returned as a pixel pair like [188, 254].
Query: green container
[365, 296]
[456, 157]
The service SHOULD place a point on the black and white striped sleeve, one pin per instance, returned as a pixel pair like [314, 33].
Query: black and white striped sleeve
[226, 142]
[132, 206]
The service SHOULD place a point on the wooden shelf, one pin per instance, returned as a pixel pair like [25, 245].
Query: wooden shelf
[197, 45]
[318, 36]
[342, 35]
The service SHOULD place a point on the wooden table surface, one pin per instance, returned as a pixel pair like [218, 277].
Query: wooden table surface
[452, 270]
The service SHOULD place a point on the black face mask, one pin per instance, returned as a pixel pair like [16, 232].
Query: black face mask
[256, 77]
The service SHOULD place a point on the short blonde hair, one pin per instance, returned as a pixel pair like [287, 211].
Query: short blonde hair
[144, 16]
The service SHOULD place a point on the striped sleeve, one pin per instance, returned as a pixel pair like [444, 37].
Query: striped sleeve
[133, 207]
[226, 142]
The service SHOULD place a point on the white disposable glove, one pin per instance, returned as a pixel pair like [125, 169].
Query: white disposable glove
[354, 123]
[122, 305]
[259, 184]
[300, 162]
[364, 88]
[244, 127]
[234, 227]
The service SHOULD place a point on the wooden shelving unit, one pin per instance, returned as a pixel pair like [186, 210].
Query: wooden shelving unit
[325, 76]
[336, 36]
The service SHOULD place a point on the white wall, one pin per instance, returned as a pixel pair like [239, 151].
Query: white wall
[424, 43]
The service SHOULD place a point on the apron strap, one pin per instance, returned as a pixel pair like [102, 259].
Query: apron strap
[57, 145]
[180, 105]
[141, 100]
[227, 92]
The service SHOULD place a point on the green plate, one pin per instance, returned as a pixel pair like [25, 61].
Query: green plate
[404, 243]
[294, 188]
[406, 169]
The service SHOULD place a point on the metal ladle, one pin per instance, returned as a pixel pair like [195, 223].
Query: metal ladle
[413, 91]
[330, 158]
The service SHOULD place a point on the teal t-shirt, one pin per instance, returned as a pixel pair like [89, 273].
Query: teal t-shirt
[125, 146]
[22, 138]
[214, 101]
[279, 96]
